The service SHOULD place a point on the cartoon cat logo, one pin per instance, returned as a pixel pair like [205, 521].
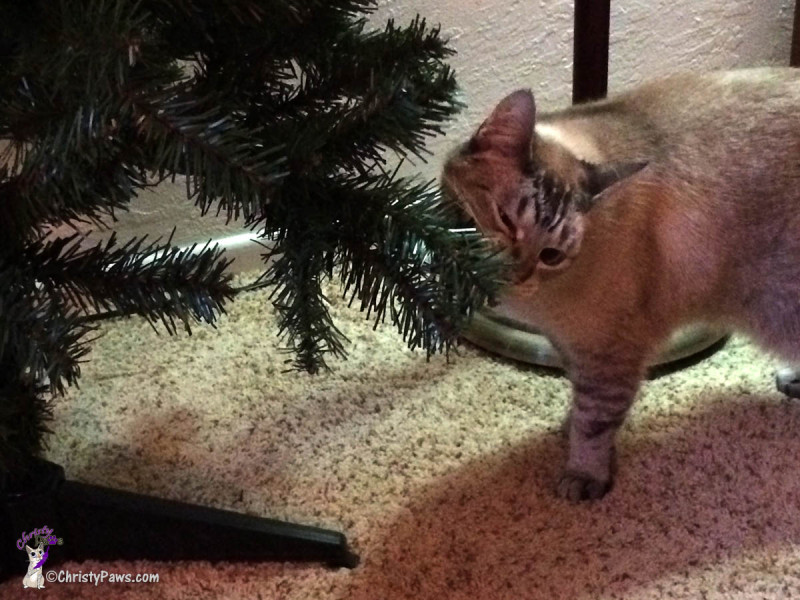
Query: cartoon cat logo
[36, 558]
[41, 538]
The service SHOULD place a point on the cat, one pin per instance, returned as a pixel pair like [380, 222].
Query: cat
[36, 558]
[675, 202]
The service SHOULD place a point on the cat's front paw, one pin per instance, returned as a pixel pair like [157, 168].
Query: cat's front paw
[577, 487]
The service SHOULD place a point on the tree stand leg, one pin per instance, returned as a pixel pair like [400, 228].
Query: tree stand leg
[104, 524]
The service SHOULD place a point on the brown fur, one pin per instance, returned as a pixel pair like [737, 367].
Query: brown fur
[687, 209]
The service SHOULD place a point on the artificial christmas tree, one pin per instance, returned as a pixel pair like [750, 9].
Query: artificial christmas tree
[279, 113]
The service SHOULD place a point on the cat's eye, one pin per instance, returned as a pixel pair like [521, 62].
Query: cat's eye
[551, 257]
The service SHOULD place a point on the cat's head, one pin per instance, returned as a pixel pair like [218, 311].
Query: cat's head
[34, 554]
[529, 195]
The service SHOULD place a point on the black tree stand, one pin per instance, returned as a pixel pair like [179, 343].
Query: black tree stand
[104, 524]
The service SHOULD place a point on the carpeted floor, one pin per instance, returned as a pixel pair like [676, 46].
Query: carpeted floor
[440, 474]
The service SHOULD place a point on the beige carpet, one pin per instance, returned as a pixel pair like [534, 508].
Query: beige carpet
[440, 474]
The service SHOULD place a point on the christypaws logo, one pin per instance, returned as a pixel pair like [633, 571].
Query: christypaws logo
[42, 538]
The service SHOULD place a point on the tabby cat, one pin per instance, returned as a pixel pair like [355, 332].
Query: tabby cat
[676, 202]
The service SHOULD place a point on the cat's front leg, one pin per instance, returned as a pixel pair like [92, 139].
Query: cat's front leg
[599, 407]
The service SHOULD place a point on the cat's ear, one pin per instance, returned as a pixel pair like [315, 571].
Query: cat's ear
[601, 177]
[28, 549]
[509, 129]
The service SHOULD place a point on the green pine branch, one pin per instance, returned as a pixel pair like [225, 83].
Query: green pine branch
[43, 194]
[217, 155]
[155, 280]
[284, 113]
[426, 276]
[40, 335]
[71, 108]
[304, 321]
[396, 251]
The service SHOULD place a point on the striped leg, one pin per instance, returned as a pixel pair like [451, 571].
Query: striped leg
[600, 403]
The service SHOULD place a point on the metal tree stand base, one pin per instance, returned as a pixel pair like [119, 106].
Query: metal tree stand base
[521, 341]
[104, 524]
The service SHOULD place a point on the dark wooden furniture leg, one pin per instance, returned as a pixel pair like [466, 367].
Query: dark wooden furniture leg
[590, 50]
[795, 58]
